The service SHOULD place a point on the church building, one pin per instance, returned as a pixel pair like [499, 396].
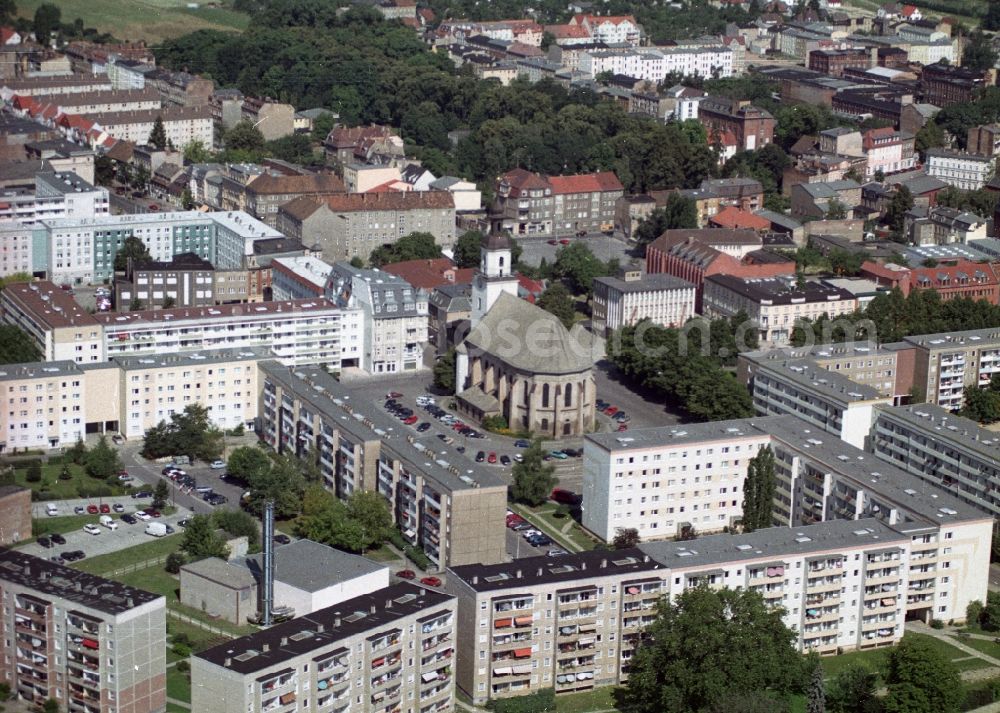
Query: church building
[519, 361]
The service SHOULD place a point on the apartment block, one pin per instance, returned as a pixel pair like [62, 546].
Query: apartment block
[93, 645]
[943, 449]
[774, 303]
[272, 118]
[622, 301]
[299, 278]
[533, 204]
[575, 624]
[60, 328]
[100, 102]
[182, 125]
[453, 512]
[970, 172]
[390, 650]
[15, 513]
[295, 331]
[16, 249]
[56, 195]
[736, 123]
[827, 400]
[889, 151]
[44, 405]
[944, 364]
[395, 316]
[185, 281]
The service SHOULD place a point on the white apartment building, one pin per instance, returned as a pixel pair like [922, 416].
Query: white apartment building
[60, 328]
[235, 234]
[44, 405]
[825, 399]
[969, 172]
[92, 644]
[774, 303]
[574, 624]
[296, 332]
[661, 481]
[379, 652]
[299, 278]
[56, 195]
[662, 299]
[181, 124]
[654, 64]
[611, 29]
[16, 252]
[395, 316]
[889, 151]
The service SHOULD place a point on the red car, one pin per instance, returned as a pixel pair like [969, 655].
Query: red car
[611, 410]
[105, 508]
[553, 242]
[92, 509]
[566, 497]
[152, 513]
[431, 581]
[514, 520]
[394, 395]
[491, 458]
[622, 427]
[564, 241]
[410, 420]
[406, 574]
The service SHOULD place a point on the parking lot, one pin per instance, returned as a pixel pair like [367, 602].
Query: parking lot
[604, 247]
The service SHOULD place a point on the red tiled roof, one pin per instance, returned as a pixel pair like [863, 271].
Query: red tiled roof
[586, 183]
[5, 34]
[521, 180]
[564, 32]
[602, 19]
[734, 218]
[529, 287]
[390, 186]
[428, 274]
[908, 10]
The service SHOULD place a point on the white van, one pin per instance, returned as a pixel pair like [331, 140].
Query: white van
[156, 529]
[109, 522]
[51, 510]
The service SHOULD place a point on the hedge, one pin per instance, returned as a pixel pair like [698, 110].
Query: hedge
[417, 556]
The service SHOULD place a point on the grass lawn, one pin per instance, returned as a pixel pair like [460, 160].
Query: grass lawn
[153, 579]
[543, 517]
[597, 700]
[971, 664]
[178, 685]
[49, 525]
[986, 647]
[383, 554]
[226, 626]
[151, 20]
[156, 547]
[875, 658]
[63, 489]
[200, 639]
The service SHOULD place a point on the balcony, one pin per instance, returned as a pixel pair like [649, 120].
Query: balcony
[508, 622]
[518, 671]
[513, 605]
[385, 643]
[274, 683]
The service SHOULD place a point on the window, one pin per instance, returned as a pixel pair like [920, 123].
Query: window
[545, 397]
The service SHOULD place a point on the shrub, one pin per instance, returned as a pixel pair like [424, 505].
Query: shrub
[417, 556]
[183, 666]
[175, 560]
[182, 638]
[4, 691]
[396, 538]
[65, 473]
[973, 612]
[182, 650]
[937, 624]
[34, 473]
[544, 700]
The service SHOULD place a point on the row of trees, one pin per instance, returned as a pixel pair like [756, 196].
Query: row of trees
[360, 523]
[686, 366]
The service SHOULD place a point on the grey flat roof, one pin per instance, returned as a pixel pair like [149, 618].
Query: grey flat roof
[38, 370]
[820, 351]
[970, 338]
[152, 361]
[940, 423]
[774, 543]
[246, 655]
[367, 422]
[221, 572]
[61, 581]
[312, 566]
[639, 438]
[546, 570]
[647, 283]
[810, 376]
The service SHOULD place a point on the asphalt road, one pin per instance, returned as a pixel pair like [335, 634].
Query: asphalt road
[603, 246]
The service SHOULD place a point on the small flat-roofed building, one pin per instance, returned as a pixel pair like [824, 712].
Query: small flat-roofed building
[309, 576]
[60, 328]
[622, 301]
[220, 589]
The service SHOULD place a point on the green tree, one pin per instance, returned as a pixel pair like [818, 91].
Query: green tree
[132, 248]
[930, 136]
[326, 519]
[677, 212]
[979, 53]
[200, 539]
[853, 690]
[758, 491]
[161, 494]
[557, 301]
[895, 214]
[34, 472]
[78, 452]
[282, 483]
[189, 433]
[444, 372]
[239, 523]
[371, 513]
[467, 248]
[625, 537]
[982, 405]
[973, 612]
[8, 12]
[921, 679]
[706, 646]
[48, 18]
[415, 246]
[533, 478]
[175, 560]
[50, 706]
[16, 347]
[244, 137]
[248, 463]
[579, 266]
[845, 263]
[65, 473]
[816, 692]
[357, 262]
[158, 134]
[989, 619]
[196, 152]
[835, 210]
[102, 461]
[991, 21]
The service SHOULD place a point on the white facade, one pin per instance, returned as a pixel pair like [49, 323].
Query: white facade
[16, 249]
[304, 601]
[661, 299]
[43, 405]
[961, 170]
[60, 195]
[298, 278]
[495, 276]
[297, 332]
[654, 64]
[656, 487]
[612, 31]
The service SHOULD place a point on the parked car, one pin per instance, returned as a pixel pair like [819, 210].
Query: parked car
[406, 574]
[556, 552]
[558, 455]
[480, 456]
[410, 420]
[183, 523]
[505, 459]
[124, 478]
[44, 542]
[143, 515]
[522, 443]
[431, 581]
[117, 439]
[622, 427]
[142, 494]
[423, 427]
[540, 541]
[518, 457]
[170, 529]
[57, 539]
[130, 519]
[491, 458]
[118, 507]
[92, 510]
[218, 464]
[567, 497]
[394, 395]
[79, 510]
[91, 529]
[282, 539]
[153, 512]
[522, 526]
[105, 509]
